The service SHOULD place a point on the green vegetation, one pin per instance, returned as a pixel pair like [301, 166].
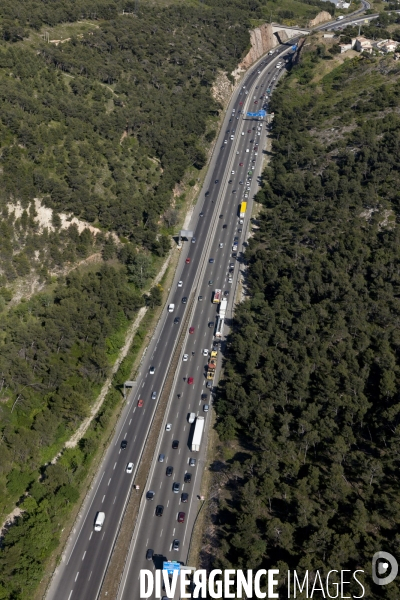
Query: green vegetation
[310, 388]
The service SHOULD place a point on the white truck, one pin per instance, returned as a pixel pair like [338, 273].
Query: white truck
[197, 434]
[219, 328]
[222, 308]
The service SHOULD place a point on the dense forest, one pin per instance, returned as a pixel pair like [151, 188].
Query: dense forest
[310, 394]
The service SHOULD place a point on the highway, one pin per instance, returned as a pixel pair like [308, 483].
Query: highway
[86, 556]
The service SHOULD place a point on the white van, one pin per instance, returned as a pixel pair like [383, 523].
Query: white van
[192, 417]
[171, 307]
[99, 522]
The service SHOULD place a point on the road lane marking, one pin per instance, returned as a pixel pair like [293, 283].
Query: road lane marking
[70, 594]
[84, 554]
[77, 576]
[84, 520]
[90, 575]
[90, 536]
[130, 421]
[160, 485]
[173, 533]
[167, 503]
[115, 465]
[109, 482]
[161, 532]
[103, 498]
[115, 499]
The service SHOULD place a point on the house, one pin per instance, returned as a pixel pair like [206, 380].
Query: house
[386, 45]
[362, 44]
[344, 48]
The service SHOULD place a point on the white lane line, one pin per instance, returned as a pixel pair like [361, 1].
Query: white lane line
[173, 533]
[160, 485]
[84, 554]
[167, 503]
[130, 421]
[90, 575]
[147, 541]
[115, 499]
[109, 481]
[125, 434]
[87, 513]
[134, 438]
[115, 465]
[119, 451]
[103, 498]
[184, 429]
[77, 576]
[143, 384]
[70, 594]
[102, 537]
[161, 532]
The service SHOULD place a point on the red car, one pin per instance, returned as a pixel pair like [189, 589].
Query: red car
[191, 329]
[187, 261]
[181, 517]
[140, 403]
[249, 131]
[240, 164]
[190, 380]
[255, 101]
[241, 103]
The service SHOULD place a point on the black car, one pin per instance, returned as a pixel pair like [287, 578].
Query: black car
[226, 293]
[184, 300]
[201, 214]
[230, 181]
[207, 193]
[177, 320]
[251, 141]
[224, 226]
[204, 396]
[149, 554]
[216, 181]
[159, 510]
[124, 444]
[221, 216]
[233, 191]
[211, 261]
[188, 478]
[184, 497]
[175, 444]
[150, 495]
[211, 324]
[176, 486]
[169, 471]
[175, 545]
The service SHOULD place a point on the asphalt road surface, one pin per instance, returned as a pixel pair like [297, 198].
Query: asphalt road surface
[85, 559]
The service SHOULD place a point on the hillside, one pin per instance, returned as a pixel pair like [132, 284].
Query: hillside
[308, 411]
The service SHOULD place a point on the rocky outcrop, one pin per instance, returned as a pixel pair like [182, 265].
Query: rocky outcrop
[262, 39]
[282, 36]
[320, 18]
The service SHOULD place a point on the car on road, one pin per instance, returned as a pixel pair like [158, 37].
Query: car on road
[180, 283]
[192, 462]
[191, 329]
[193, 240]
[175, 545]
[129, 467]
[221, 216]
[184, 497]
[240, 164]
[240, 230]
[200, 298]
[187, 478]
[226, 293]
[168, 427]
[211, 261]
[210, 282]
[209, 384]
[251, 141]
[232, 172]
[154, 395]
[149, 554]
[176, 486]
[181, 517]
[150, 495]
[159, 510]
[221, 245]
[249, 131]
[207, 193]
[224, 226]
[240, 182]
[230, 181]
[175, 444]
[152, 370]
[190, 380]
[233, 191]
[177, 320]
[140, 403]
[187, 260]
[205, 352]
[169, 471]
[124, 444]
[201, 214]
[211, 324]
[206, 407]
[185, 357]
[184, 300]
[161, 458]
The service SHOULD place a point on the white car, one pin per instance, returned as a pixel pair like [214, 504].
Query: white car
[205, 352]
[247, 150]
[129, 468]
[237, 152]
[168, 427]
[185, 357]
[233, 172]
[230, 280]
[226, 141]
[221, 245]
[242, 132]
[151, 370]
[180, 283]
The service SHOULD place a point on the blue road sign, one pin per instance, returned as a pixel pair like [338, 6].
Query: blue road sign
[260, 113]
[171, 567]
[294, 47]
